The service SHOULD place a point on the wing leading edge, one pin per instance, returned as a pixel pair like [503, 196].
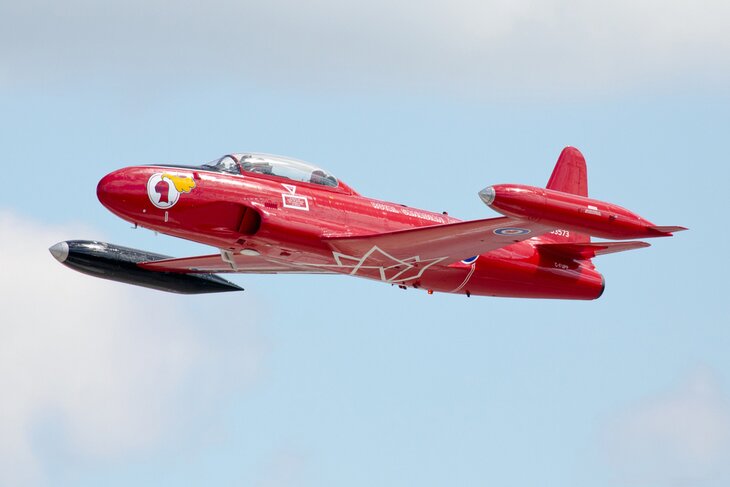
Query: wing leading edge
[229, 262]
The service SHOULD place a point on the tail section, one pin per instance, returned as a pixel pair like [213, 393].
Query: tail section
[666, 231]
[569, 176]
[586, 251]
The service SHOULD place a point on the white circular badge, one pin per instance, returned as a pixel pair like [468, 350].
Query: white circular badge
[162, 191]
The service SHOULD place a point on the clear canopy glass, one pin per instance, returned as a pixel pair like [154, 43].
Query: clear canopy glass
[285, 168]
[282, 167]
[227, 164]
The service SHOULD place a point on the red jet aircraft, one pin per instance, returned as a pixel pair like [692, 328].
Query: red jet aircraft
[275, 215]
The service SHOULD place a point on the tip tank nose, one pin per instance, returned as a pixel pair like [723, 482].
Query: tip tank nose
[487, 195]
[59, 251]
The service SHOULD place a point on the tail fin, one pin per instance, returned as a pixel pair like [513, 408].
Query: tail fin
[569, 176]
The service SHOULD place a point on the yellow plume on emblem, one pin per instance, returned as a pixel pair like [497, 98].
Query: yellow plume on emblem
[184, 184]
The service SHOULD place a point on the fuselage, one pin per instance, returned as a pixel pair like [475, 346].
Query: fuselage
[286, 218]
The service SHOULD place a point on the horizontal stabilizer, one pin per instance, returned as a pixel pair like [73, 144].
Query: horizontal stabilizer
[582, 251]
[667, 230]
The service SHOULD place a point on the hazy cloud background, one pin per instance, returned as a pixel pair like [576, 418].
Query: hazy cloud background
[306, 380]
[100, 370]
[488, 49]
[680, 437]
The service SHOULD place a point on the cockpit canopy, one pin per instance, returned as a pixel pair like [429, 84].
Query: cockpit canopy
[267, 164]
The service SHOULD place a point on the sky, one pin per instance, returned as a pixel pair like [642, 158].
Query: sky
[329, 380]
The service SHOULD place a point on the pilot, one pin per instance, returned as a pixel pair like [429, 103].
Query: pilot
[258, 168]
[320, 177]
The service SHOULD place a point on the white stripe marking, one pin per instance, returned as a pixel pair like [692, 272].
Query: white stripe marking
[468, 276]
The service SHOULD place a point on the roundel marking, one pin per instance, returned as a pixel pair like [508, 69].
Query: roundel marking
[511, 231]
[470, 260]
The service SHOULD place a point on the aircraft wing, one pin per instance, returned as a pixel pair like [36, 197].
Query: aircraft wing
[403, 253]
[229, 262]
[449, 242]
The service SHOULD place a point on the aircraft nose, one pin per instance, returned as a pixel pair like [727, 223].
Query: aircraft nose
[111, 191]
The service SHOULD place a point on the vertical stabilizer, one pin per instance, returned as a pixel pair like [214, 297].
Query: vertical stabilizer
[569, 176]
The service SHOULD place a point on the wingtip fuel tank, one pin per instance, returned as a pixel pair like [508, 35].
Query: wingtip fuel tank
[571, 212]
[117, 263]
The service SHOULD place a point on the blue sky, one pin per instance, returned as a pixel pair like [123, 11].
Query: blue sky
[328, 380]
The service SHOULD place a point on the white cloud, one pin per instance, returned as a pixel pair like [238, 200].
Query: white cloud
[679, 438]
[479, 48]
[104, 369]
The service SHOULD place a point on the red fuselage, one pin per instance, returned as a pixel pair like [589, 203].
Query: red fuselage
[290, 221]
